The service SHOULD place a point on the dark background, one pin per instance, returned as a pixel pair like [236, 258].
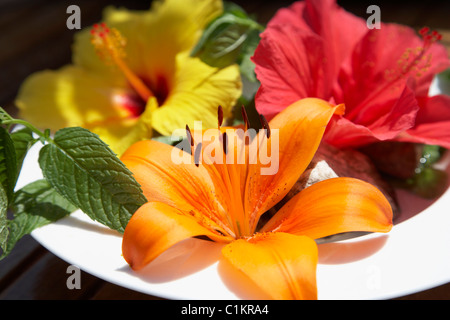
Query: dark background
[33, 34]
[33, 37]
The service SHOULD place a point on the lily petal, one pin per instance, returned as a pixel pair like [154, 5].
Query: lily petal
[299, 129]
[154, 228]
[163, 177]
[334, 206]
[281, 264]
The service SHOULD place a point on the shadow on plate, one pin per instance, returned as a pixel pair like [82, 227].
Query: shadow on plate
[183, 259]
[345, 252]
[74, 221]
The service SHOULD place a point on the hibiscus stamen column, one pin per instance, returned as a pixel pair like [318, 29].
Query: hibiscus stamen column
[109, 45]
[414, 62]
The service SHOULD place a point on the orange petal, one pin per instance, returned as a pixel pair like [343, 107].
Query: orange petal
[154, 228]
[297, 130]
[334, 206]
[281, 264]
[163, 177]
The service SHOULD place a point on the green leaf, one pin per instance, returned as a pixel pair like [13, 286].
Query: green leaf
[35, 205]
[4, 230]
[84, 170]
[4, 116]
[23, 140]
[225, 39]
[429, 183]
[247, 66]
[221, 44]
[8, 163]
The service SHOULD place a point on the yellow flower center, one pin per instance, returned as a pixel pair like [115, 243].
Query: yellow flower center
[109, 45]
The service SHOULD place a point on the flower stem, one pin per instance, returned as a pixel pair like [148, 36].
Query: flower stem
[6, 119]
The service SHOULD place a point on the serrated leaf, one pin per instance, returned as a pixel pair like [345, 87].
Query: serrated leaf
[35, 205]
[84, 170]
[8, 163]
[23, 140]
[4, 230]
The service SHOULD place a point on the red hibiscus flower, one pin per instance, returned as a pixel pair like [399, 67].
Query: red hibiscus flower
[317, 49]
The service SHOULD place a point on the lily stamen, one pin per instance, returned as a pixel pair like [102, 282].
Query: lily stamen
[265, 125]
[245, 118]
[225, 143]
[190, 138]
[220, 116]
[197, 153]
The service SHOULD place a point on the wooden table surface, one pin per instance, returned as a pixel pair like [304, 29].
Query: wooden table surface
[33, 37]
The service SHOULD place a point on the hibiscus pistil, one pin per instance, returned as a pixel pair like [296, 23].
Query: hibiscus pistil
[429, 37]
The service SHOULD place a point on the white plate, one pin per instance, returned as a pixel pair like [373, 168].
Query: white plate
[413, 257]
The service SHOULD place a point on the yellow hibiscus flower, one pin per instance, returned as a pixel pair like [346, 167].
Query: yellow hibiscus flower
[132, 73]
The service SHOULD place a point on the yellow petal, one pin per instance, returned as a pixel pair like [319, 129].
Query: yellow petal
[70, 96]
[334, 206]
[296, 133]
[119, 134]
[73, 96]
[154, 228]
[281, 264]
[197, 91]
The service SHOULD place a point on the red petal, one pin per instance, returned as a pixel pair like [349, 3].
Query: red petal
[291, 65]
[433, 122]
[339, 29]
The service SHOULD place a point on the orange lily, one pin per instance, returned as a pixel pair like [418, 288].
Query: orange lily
[224, 201]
